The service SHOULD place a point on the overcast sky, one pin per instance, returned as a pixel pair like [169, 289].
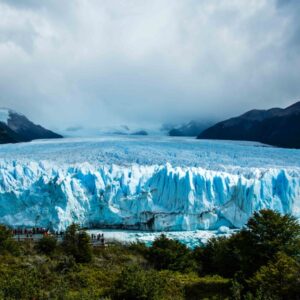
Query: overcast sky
[105, 62]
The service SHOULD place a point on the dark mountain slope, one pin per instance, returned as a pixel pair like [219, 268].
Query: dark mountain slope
[27, 130]
[7, 135]
[16, 128]
[278, 127]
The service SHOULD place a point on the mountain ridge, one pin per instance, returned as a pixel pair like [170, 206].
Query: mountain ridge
[275, 126]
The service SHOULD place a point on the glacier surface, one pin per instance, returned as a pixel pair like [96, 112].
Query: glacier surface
[191, 239]
[145, 183]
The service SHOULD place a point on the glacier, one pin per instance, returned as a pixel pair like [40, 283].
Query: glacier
[191, 239]
[145, 183]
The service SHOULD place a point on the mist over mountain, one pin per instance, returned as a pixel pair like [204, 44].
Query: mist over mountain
[276, 126]
[189, 129]
[82, 131]
[192, 128]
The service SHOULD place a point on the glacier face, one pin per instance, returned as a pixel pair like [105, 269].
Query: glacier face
[145, 184]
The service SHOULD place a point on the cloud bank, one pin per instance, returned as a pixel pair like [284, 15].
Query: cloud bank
[106, 62]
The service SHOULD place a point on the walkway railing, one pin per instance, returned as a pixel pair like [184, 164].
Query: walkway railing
[35, 234]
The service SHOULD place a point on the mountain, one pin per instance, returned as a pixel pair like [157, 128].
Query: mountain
[15, 127]
[193, 128]
[276, 126]
[7, 135]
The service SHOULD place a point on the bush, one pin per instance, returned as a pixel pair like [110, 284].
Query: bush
[139, 248]
[47, 245]
[20, 284]
[171, 255]
[207, 287]
[137, 284]
[66, 264]
[76, 242]
[7, 244]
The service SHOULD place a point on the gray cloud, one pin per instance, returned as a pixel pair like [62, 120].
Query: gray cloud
[66, 63]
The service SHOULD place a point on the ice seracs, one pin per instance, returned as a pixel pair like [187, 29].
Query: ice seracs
[140, 197]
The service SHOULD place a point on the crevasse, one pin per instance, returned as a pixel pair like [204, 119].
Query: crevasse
[140, 196]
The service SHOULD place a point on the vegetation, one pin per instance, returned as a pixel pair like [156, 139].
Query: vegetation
[76, 242]
[262, 261]
[7, 244]
[265, 234]
[279, 279]
[167, 254]
[47, 245]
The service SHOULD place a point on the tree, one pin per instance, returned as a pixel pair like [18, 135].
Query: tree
[218, 256]
[76, 242]
[170, 254]
[266, 233]
[272, 232]
[279, 279]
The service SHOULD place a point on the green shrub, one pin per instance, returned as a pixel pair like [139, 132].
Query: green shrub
[66, 264]
[47, 245]
[7, 244]
[208, 287]
[139, 248]
[135, 283]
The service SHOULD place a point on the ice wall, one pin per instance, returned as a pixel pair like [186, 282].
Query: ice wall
[141, 197]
